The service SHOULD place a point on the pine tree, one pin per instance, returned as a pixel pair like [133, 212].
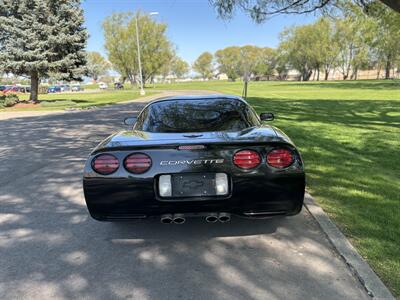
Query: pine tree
[41, 37]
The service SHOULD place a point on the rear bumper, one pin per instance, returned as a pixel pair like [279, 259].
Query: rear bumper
[113, 199]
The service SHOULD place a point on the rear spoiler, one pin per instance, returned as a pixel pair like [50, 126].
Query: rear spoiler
[177, 146]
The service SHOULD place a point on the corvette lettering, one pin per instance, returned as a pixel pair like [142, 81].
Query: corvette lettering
[192, 162]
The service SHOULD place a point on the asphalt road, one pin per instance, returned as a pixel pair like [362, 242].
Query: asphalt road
[51, 249]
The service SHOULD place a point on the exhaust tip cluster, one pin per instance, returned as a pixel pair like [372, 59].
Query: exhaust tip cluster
[224, 217]
[175, 219]
[180, 218]
[212, 218]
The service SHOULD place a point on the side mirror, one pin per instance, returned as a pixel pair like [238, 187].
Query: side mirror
[130, 121]
[267, 116]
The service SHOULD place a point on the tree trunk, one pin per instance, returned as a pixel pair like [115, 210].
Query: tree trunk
[393, 4]
[387, 70]
[34, 87]
[132, 80]
[326, 74]
[144, 79]
[318, 74]
[307, 75]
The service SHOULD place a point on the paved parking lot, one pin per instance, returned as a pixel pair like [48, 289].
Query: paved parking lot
[51, 248]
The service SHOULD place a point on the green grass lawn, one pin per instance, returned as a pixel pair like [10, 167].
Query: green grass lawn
[349, 136]
[80, 100]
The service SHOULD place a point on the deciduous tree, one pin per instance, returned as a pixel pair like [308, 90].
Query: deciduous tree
[249, 59]
[266, 63]
[179, 67]
[229, 62]
[260, 10]
[297, 46]
[385, 41]
[353, 47]
[121, 47]
[326, 46]
[97, 65]
[204, 65]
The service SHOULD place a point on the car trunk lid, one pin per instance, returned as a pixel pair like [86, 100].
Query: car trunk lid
[140, 139]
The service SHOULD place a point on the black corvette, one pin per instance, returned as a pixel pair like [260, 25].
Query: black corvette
[208, 156]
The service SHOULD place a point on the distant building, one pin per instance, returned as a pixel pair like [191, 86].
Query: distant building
[222, 76]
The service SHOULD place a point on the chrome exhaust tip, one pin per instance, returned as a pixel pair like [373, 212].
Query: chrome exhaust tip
[178, 219]
[224, 217]
[166, 219]
[212, 218]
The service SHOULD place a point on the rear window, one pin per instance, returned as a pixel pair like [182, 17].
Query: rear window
[197, 116]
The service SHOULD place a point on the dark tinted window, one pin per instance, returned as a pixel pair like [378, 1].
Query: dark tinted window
[197, 116]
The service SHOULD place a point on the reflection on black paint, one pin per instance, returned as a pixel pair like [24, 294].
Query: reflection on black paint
[197, 116]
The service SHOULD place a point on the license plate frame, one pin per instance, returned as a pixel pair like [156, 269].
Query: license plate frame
[193, 185]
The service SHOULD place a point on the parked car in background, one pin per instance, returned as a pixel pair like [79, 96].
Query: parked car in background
[65, 88]
[15, 89]
[11, 89]
[24, 89]
[54, 89]
[103, 86]
[118, 86]
[76, 88]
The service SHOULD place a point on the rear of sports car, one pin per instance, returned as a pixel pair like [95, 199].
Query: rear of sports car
[250, 180]
[200, 157]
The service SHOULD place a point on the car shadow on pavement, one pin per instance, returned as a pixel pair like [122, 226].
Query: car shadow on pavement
[194, 228]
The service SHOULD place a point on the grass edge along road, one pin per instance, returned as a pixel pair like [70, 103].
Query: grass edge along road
[348, 133]
[61, 101]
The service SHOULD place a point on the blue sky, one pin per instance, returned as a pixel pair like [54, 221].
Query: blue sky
[193, 25]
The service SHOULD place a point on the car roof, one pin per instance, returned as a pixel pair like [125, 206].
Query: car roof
[199, 97]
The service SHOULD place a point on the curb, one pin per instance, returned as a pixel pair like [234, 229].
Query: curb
[358, 266]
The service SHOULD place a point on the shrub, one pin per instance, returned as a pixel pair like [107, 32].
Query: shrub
[13, 97]
[9, 102]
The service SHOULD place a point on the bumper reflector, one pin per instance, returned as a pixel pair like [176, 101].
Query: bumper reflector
[165, 186]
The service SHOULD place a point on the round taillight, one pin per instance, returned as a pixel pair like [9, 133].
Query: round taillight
[105, 164]
[246, 159]
[137, 163]
[280, 158]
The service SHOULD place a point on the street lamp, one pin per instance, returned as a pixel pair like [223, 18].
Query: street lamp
[142, 92]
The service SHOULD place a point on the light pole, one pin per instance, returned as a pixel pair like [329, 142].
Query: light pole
[142, 92]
